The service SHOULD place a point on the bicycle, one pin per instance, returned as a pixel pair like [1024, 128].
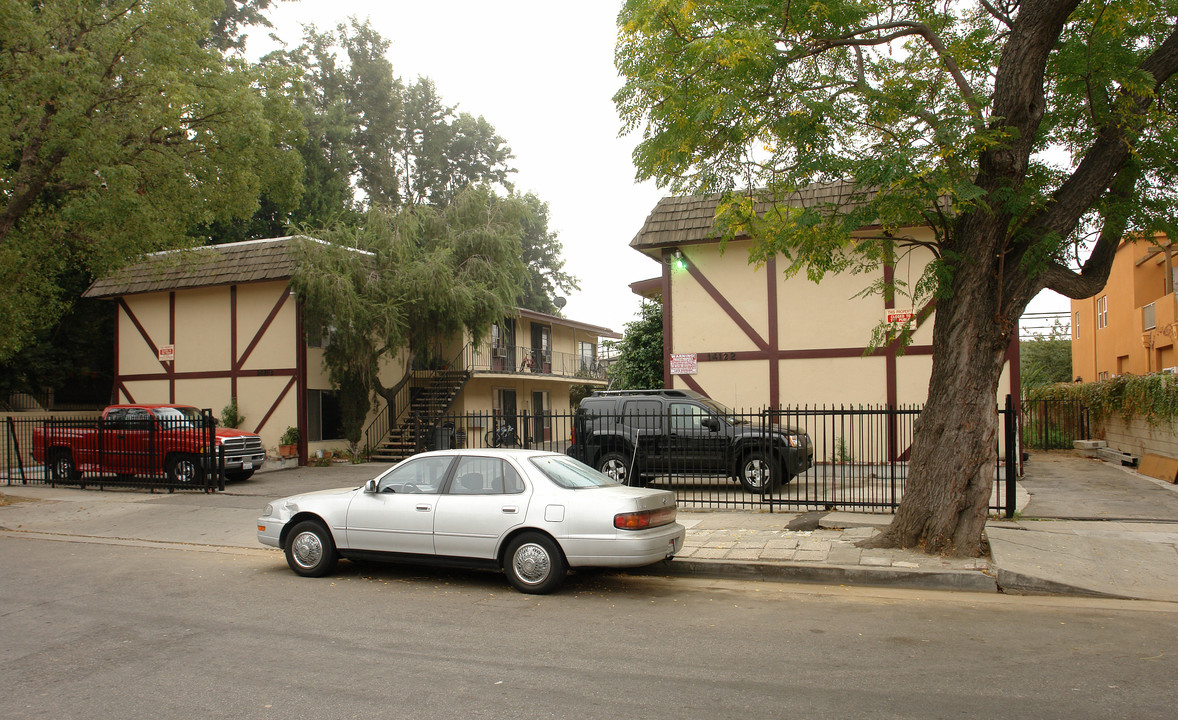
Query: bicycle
[502, 436]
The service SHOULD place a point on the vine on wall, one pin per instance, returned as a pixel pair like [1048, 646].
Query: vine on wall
[1153, 397]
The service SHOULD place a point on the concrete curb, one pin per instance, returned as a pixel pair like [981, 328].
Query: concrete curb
[1016, 583]
[916, 579]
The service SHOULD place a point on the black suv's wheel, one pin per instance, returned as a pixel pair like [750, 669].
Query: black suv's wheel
[616, 466]
[533, 564]
[758, 473]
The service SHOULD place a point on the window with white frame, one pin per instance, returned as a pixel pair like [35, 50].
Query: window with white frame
[1102, 312]
[587, 354]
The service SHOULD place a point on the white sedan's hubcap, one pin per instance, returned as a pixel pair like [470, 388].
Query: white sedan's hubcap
[532, 563]
[307, 549]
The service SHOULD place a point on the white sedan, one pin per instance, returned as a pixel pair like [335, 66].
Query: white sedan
[531, 514]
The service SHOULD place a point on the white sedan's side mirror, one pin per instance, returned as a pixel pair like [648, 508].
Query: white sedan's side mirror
[370, 486]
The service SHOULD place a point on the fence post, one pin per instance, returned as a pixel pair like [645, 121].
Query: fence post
[1044, 421]
[14, 449]
[1011, 458]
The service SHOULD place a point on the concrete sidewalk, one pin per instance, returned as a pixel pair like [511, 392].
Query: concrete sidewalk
[1134, 556]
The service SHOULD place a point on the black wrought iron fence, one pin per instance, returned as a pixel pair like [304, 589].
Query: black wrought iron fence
[814, 457]
[143, 451]
[1054, 424]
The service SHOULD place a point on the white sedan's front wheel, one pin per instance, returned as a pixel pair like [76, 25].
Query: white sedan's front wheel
[534, 564]
[310, 551]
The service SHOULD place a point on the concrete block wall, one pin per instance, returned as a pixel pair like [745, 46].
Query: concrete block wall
[1137, 437]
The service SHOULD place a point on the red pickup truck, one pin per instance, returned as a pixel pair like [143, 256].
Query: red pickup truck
[179, 442]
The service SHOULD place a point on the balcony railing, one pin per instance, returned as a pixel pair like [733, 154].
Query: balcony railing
[522, 360]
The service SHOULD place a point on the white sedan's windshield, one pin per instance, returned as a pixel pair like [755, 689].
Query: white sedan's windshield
[569, 473]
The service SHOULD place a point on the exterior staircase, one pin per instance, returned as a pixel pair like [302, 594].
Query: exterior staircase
[414, 430]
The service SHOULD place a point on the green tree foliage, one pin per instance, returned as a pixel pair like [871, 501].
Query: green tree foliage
[408, 279]
[541, 254]
[934, 114]
[1046, 359]
[120, 129]
[639, 364]
[228, 31]
[72, 358]
[379, 140]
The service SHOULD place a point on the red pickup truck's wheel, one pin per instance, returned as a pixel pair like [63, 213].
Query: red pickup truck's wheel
[184, 470]
[61, 466]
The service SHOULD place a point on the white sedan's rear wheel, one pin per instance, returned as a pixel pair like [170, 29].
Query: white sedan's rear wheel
[534, 564]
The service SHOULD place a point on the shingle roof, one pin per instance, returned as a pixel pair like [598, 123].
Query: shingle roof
[684, 220]
[231, 263]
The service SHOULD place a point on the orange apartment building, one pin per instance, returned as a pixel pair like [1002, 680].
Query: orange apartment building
[1129, 327]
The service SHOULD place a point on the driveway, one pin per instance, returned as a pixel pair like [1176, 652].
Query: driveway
[1064, 485]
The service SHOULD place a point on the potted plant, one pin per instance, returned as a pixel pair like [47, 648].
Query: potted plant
[288, 444]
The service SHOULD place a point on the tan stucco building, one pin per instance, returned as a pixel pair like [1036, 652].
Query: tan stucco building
[1129, 327]
[752, 338]
[204, 326]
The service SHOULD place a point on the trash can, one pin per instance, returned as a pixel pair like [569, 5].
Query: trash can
[444, 436]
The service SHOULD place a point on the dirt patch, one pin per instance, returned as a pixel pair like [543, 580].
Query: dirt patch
[807, 520]
[13, 499]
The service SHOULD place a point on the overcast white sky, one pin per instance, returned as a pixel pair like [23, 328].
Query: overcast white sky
[542, 73]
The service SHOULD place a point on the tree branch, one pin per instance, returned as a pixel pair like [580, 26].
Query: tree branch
[1095, 270]
[1111, 149]
[997, 14]
[904, 29]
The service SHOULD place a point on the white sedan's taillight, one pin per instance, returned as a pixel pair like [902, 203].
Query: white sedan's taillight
[645, 519]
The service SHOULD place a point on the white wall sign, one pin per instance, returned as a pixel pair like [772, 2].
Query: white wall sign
[683, 363]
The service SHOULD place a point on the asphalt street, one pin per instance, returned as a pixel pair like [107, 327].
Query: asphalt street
[102, 628]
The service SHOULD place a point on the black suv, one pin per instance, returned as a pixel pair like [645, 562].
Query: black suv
[635, 434]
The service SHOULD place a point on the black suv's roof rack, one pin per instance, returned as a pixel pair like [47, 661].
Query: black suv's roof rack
[652, 393]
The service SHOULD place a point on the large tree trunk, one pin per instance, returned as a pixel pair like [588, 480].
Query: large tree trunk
[954, 450]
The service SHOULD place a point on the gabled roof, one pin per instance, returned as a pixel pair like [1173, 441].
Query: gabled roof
[576, 325]
[691, 219]
[234, 264]
[227, 264]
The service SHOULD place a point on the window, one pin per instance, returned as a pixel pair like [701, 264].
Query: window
[323, 416]
[319, 337]
[1102, 312]
[1076, 325]
[569, 473]
[643, 416]
[587, 354]
[1148, 317]
[687, 417]
[423, 475]
[485, 476]
[137, 419]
